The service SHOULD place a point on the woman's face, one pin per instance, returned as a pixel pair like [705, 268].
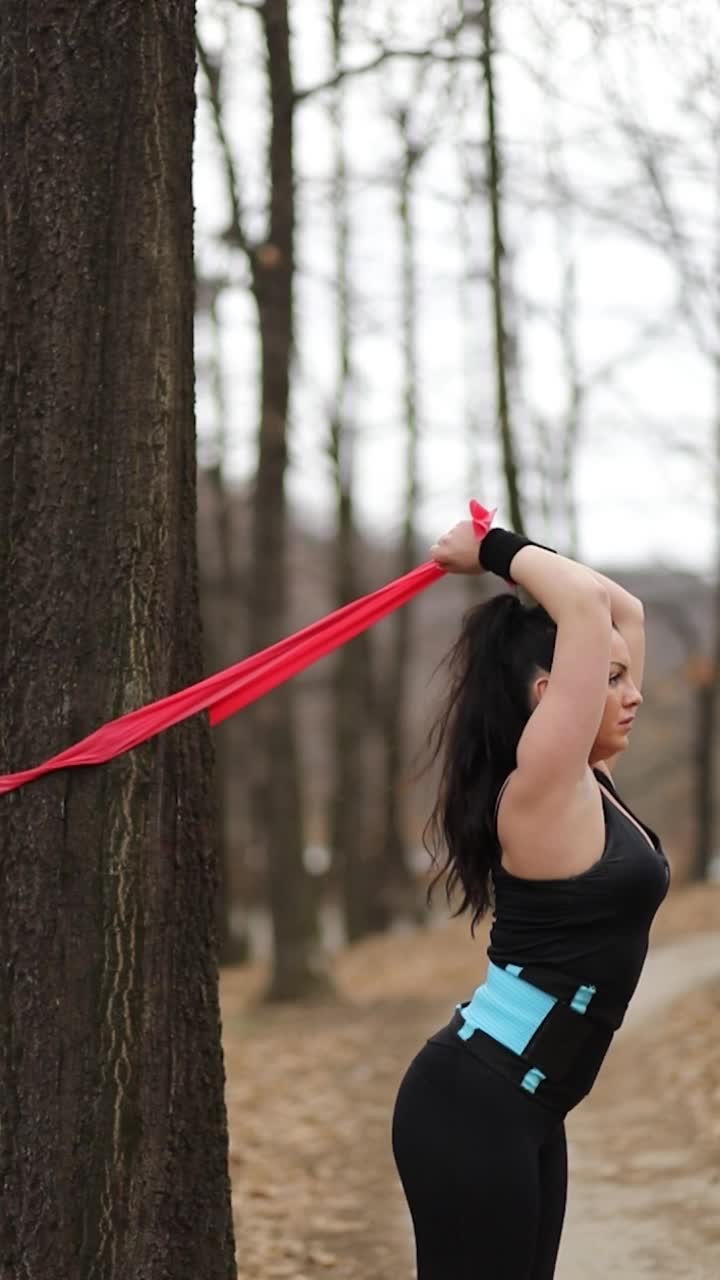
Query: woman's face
[621, 704]
[623, 700]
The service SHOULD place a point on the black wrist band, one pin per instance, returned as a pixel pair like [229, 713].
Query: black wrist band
[498, 548]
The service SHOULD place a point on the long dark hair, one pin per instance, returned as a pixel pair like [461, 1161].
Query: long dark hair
[501, 646]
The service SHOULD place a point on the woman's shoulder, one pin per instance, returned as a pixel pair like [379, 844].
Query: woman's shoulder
[515, 797]
[554, 835]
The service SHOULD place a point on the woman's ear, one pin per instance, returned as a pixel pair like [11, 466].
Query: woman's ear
[538, 688]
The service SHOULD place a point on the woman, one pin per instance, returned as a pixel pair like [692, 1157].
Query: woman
[542, 703]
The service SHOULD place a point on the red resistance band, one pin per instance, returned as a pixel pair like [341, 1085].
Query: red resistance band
[228, 691]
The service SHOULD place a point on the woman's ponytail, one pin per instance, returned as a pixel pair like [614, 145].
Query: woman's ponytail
[501, 645]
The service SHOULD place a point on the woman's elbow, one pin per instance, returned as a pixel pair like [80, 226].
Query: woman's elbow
[636, 608]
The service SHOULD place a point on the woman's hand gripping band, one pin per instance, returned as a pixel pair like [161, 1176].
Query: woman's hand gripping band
[458, 552]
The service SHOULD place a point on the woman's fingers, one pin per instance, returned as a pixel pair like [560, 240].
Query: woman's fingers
[457, 550]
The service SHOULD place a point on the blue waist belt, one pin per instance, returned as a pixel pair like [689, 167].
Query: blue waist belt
[547, 1031]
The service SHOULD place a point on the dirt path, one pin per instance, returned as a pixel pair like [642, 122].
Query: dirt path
[310, 1095]
[643, 1200]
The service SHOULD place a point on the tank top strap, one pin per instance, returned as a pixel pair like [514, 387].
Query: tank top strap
[499, 798]
[606, 781]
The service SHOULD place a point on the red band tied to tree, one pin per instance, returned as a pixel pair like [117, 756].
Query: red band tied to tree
[228, 691]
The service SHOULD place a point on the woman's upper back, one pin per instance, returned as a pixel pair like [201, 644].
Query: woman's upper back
[592, 925]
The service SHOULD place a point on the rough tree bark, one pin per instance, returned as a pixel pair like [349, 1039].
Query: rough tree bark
[113, 1148]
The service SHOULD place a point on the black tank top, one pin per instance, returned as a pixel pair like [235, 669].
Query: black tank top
[592, 927]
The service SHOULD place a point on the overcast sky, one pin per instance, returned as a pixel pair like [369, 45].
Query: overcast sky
[645, 478]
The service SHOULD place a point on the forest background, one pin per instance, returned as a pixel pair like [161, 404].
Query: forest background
[505, 283]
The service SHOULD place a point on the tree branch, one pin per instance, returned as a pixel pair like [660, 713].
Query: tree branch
[235, 233]
[384, 55]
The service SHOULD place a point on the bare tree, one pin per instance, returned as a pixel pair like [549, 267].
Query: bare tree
[352, 829]
[497, 273]
[399, 894]
[468, 218]
[113, 1156]
[221, 589]
[274, 764]
[277, 786]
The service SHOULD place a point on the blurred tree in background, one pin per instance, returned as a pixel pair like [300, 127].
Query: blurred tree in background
[353, 835]
[470, 160]
[272, 761]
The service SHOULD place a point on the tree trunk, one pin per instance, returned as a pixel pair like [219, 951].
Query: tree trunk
[351, 828]
[113, 1155]
[498, 285]
[230, 740]
[473, 396]
[400, 894]
[277, 804]
[351, 834]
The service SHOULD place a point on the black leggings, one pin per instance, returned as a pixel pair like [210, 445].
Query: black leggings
[484, 1169]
